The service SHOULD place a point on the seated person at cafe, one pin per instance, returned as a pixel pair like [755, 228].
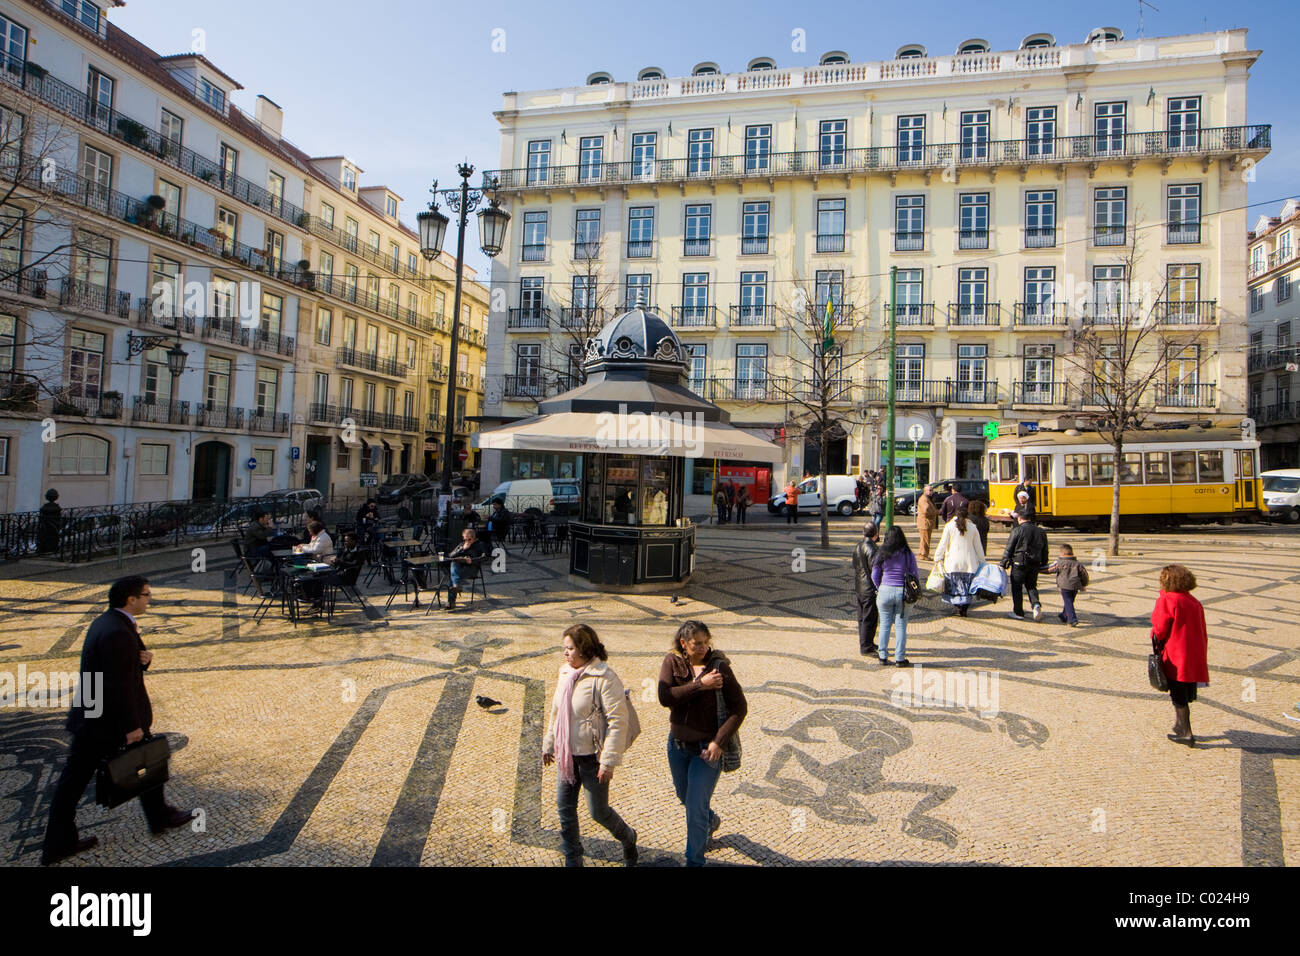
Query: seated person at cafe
[257, 536]
[320, 544]
[498, 523]
[350, 559]
[470, 551]
[469, 516]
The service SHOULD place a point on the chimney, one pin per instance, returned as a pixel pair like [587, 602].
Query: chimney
[269, 116]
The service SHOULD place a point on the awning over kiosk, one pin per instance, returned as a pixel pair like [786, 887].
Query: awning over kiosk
[630, 433]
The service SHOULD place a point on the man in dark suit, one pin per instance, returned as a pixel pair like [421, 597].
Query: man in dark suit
[952, 504]
[114, 650]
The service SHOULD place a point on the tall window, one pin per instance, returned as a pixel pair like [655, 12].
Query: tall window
[584, 295]
[643, 154]
[699, 227]
[12, 125]
[85, 363]
[228, 225]
[229, 166]
[275, 188]
[8, 343]
[909, 372]
[753, 299]
[755, 223]
[535, 226]
[830, 225]
[213, 95]
[1109, 292]
[1183, 292]
[327, 215]
[638, 292]
[171, 197]
[1183, 375]
[586, 234]
[165, 287]
[1109, 127]
[539, 162]
[973, 222]
[911, 139]
[1040, 131]
[1038, 369]
[12, 230]
[972, 367]
[272, 313]
[268, 389]
[1040, 218]
[13, 46]
[1184, 217]
[349, 332]
[640, 232]
[1109, 216]
[910, 291]
[320, 394]
[172, 128]
[591, 156]
[1040, 294]
[695, 298]
[528, 367]
[90, 262]
[324, 323]
[699, 152]
[751, 370]
[97, 170]
[83, 10]
[972, 296]
[758, 148]
[975, 135]
[346, 388]
[698, 355]
[224, 299]
[530, 296]
[274, 250]
[351, 275]
[350, 180]
[909, 223]
[833, 140]
[99, 97]
[1184, 122]
[828, 286]
[157, 381]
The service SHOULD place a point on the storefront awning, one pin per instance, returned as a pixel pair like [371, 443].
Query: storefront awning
[630, 433]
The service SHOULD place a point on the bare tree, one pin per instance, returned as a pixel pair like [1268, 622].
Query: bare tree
[1126, 350]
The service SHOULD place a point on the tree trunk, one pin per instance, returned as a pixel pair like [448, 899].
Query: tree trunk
[825, 512]
[1113, 546]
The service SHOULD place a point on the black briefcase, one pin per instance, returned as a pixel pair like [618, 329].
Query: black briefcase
[135, 769]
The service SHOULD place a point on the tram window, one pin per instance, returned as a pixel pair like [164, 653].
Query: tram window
[1076, 469]
[1183, 466]
[1103, 468]
[1010, 466]
[1130, 472]
[992, 473]
[1157, 468]
[1211, 465]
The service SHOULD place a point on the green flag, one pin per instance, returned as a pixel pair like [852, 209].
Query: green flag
[828, 330]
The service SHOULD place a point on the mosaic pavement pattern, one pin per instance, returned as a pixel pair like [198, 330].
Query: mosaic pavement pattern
[361, 742]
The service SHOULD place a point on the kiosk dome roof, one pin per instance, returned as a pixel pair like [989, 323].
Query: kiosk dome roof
[639, 335]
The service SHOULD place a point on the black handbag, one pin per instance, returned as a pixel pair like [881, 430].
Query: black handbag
[1155, 671]
[912, 588]
[731, 749]
[135, 769]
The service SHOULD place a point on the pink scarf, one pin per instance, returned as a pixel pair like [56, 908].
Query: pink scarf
[563, 722]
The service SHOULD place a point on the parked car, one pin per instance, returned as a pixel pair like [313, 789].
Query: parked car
[842, 496]
[1282, 494]
[428, 497]
[552, 496]
[309, 498]
[398, 487]
[976, 489]
[166, 519]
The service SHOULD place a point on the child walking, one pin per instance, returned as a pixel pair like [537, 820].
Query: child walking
[1071, 578]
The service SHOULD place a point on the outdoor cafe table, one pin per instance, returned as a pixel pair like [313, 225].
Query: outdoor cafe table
[301, 574]
[423, 561]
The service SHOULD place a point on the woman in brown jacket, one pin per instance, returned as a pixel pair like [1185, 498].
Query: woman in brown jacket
[692, 678]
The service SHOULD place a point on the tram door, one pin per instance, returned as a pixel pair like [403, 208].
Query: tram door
[1039, 468]
[1244, 494]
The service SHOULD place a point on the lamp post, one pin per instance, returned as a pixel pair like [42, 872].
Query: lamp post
[492, 222]
[176, 356]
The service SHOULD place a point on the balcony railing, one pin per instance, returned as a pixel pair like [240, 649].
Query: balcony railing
[436, 423]
[695, 316]
[830, 242]
[534, 386]
[276, 423]
[163, 312]
[754, 316]
[437, 372]
[933, 392]
[211, 415]
[1183, 233]
[753, 245]
[1216, 141]
[1184, 395]
[32, 282]
[909, 241]
[370, 362]
[762, 389]
[972, 238]
[1110, 313]
[86, 406]
[146, 411]
[1109, 235]
[1265, 360]
[87, 297]
[586, 249]
[972, 313]
[1040, 237]
[919, 313]
[1039, 393]
[835, 389]
[528, 318]
[1041, 313]
[1202, 312]
[464, 380]
[696, 247]
[590, 318]
[1278, 414]
[640, 248]
[533, 252]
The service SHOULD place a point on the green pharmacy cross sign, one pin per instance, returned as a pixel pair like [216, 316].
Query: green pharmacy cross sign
[990, 430]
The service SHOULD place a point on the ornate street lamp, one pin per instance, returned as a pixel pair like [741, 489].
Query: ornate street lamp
[176, 356]
[492, 222]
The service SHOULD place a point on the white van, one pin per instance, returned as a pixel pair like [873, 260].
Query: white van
[842, 497]
[558, 496]
[1282, 493]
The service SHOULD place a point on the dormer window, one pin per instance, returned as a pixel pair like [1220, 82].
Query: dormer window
[84, 11]
[212, 95]
[913, 51]
[973, 46]
[834, 58]
[651, 73]
[349, 178]
[390, 206]
[762, 63]
[1038, 41]
[1106, 35]
[599, 79]
[705, 69]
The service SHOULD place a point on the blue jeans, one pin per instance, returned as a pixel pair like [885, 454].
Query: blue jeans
[892, 607]
[457, 569]
[566, 802]
[1068, 615]
[694, 779]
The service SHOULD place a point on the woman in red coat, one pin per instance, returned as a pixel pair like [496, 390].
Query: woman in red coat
[1178, 628]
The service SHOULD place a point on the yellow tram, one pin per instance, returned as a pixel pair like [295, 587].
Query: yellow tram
[1168, 477]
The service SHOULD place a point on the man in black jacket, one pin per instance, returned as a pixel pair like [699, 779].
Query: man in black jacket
[1026, 555]
[868, 616]
[471, 551]
[952, 504]
[113, 649]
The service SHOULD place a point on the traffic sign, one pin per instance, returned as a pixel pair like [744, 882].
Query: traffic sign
[916, 433]
[990, 430]
[369, 479]
[463, 455]
[1029, 427]
[295, 452]
[252, 463]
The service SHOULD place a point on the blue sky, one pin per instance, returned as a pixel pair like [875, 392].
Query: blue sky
[406, 89]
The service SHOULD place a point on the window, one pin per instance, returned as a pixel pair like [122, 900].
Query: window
[539, 161]
[1108, 216]
[1076, 469]
[223, 299]
[412, 262]
[1130, 468]
[695, 298]
[1182, 377]
[99, 98]
[534, 248]
[265, 458]
[1256, 299]
[910, 290]
[212, 95]
[90, 262]
[755, 222]
[591, 156]
[758, 148]
[268, 389]
[832, 139]
[1184, 214]
[1040, 131]
[972, 366]
[229, 166]
[1210, 465]
[97, 170]
[640, 232]
[228, 226]
[530, 296]
[699, 227]
[1109, 127]
[698, 356]
[390, 400]
[440, 304]
[171, 196]
[79, 455]
[274, 250]
[1110, 292]
[1010, 466]
[373, 241]
[911, 139]
[4, 456]
[1103, 468]
[972, 296]
[324, 320]
[586, 234]
[275, 188]
[327, 215]
[390, 206]
[349, 178]
[973, 228]
[1157, 467]
[346, 388]
[350, 276]
[154, 459]
[699, 152]
[828, 286]
[156, 379]
[975, 136]
[1184, 122]
[320, 394]
[528, 368]
[12, 230]
[272, 312]
[8, 343]
[638, 292]
[1040, 291]
[1039, 374]
[413, 303]
[12, 125]
[165, 287]
[1040, 218]
[584, 295]
[751, 371]
[1182, 466]
[909, 223]
[643, 154]
[1182, 292]
[830, 225]
[1283, 287]
[13, 46]
[390, 346]
[753, 299]
[909, 372]
[1284, 246]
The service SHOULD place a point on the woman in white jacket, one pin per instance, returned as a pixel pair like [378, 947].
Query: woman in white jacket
[589, 727]
[959, 556]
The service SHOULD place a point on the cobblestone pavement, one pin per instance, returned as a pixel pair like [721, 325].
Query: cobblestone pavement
[361, 743]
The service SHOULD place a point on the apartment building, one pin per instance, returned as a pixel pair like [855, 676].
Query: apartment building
[150, 227]
[1023, 196]
[1273, 266]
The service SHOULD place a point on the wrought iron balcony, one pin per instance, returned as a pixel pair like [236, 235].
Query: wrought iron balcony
[152, 412]
[267, 341]
[586, 317]
[1042, 313]
[1281, 413]
[437, 372]
[1110, 235]
[640, 248]
[227, 329]
[837, 389]
[909, 241]
[754, 316]
[65, 402]
[212, 415]
[1039, 393]
[974, 313]
[1185, 395]
[533, 252]
[972, 238]
[933, 392]
[82, 296]
[1040, 237]
[1201, 312]
[695, 316]
[917, 313]
[1265, 360]
[1183, 233]
[753, 245]
[464, 380]
[436, 423]
[526, 386]
[768, 388]
[528, 318]
[163, 312]
[370, 362]
[696, 247]
[830, 242]
[32, 282]
[1110, 313]
[19, 392]
[257, 420]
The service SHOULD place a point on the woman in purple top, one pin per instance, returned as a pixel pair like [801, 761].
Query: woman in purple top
[893, 562]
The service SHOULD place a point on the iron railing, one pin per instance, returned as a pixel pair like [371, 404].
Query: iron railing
[909, 241]
[147, 411]
[83, 296]
[1278, 414]
[972, 238]
[830, 242]
[1039, 393]
[974, 313]
[694, 316]
[920, 313]
[1041, 313]
[933, 392]
[1265, 360]
[213, 415]
[1040, 237]
[370, 361]
[754, 316]
[529, 318]
[1199, 312]
[1185, 395]
[753, 245]
[1183, 233]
